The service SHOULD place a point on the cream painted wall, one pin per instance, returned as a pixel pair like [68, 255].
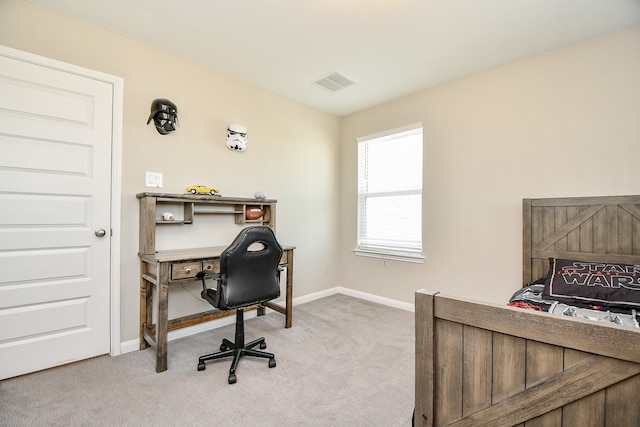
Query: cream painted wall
[293, 151]
[564, 123]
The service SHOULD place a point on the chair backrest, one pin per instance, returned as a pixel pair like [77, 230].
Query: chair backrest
[249, 271]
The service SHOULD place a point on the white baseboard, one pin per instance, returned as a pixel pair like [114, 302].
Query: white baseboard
[129, 346]
[376, 298]
[133, 345]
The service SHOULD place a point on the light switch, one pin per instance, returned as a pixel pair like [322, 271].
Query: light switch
[153, 179]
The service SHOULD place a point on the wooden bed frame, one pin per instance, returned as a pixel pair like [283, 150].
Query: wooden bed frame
[480, 364]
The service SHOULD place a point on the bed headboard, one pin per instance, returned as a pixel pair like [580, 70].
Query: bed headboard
[605, 229]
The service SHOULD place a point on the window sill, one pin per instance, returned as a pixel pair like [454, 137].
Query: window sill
[395, 256]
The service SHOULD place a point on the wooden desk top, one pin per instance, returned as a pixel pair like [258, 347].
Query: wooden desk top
[190, 254]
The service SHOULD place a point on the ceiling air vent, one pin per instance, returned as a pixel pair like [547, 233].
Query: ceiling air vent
[334, 81]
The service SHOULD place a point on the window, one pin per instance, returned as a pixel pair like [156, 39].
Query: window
[390, 194]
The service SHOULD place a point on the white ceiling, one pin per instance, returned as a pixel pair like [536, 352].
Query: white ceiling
[391, 48]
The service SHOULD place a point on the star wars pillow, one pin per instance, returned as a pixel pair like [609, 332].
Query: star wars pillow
[593, 284]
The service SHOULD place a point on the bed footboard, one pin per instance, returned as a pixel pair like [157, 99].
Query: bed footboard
[479, 364]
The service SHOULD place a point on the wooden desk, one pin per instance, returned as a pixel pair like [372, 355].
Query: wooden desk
[165, 268]
[160, 269]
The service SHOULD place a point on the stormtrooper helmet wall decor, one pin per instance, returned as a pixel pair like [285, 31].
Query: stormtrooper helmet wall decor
[237, 137]
[164, 114]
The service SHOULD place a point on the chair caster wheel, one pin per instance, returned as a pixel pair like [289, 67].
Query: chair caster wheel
[263, 345]
[272, 363]
[232, 378]
[223, 347]
[201, 366]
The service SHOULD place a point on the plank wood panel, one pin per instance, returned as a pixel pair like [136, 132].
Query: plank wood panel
[622, 407]
[560, 219]
[448, 363]
[634, 212]
[544, 360]
[477, 369]
[588, 410]
[599, 230]
[530, 266]
[625, 235]
[585, 236]
[424, 358]
[509, 366]
[573, 237]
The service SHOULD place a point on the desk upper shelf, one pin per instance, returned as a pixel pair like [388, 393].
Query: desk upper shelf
[197, 204]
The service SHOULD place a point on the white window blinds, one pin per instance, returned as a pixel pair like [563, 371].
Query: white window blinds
[390, 193]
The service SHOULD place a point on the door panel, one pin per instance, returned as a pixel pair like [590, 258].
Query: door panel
[55, 175]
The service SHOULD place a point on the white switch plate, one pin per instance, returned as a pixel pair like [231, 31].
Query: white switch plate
[153, 179]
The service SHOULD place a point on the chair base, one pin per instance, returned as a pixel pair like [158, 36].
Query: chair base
[238, 349]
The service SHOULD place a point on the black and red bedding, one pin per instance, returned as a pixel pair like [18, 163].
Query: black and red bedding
[604, 292]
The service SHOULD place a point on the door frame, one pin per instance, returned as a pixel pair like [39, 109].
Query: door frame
[117, 83]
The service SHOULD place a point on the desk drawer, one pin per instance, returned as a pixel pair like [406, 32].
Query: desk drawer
[185, 270]
[211, 266]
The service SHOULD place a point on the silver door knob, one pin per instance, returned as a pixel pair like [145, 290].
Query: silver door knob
[100, 232]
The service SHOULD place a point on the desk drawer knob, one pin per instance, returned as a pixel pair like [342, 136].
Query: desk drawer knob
[187, 270]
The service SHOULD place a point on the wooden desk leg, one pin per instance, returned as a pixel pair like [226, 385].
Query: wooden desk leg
[148, 321]
[289, 296]
[162, 323]
[144, 304]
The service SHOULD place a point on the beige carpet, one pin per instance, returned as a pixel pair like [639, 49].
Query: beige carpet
[345, 362]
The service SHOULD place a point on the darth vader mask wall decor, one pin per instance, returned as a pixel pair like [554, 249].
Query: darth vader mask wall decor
[236, 137]
[164, 114]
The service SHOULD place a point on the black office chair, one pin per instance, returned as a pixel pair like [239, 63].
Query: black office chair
[249, 275]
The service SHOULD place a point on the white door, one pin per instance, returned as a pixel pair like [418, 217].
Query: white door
[55, 177]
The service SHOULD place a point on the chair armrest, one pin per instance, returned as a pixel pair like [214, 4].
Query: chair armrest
[208, 294]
